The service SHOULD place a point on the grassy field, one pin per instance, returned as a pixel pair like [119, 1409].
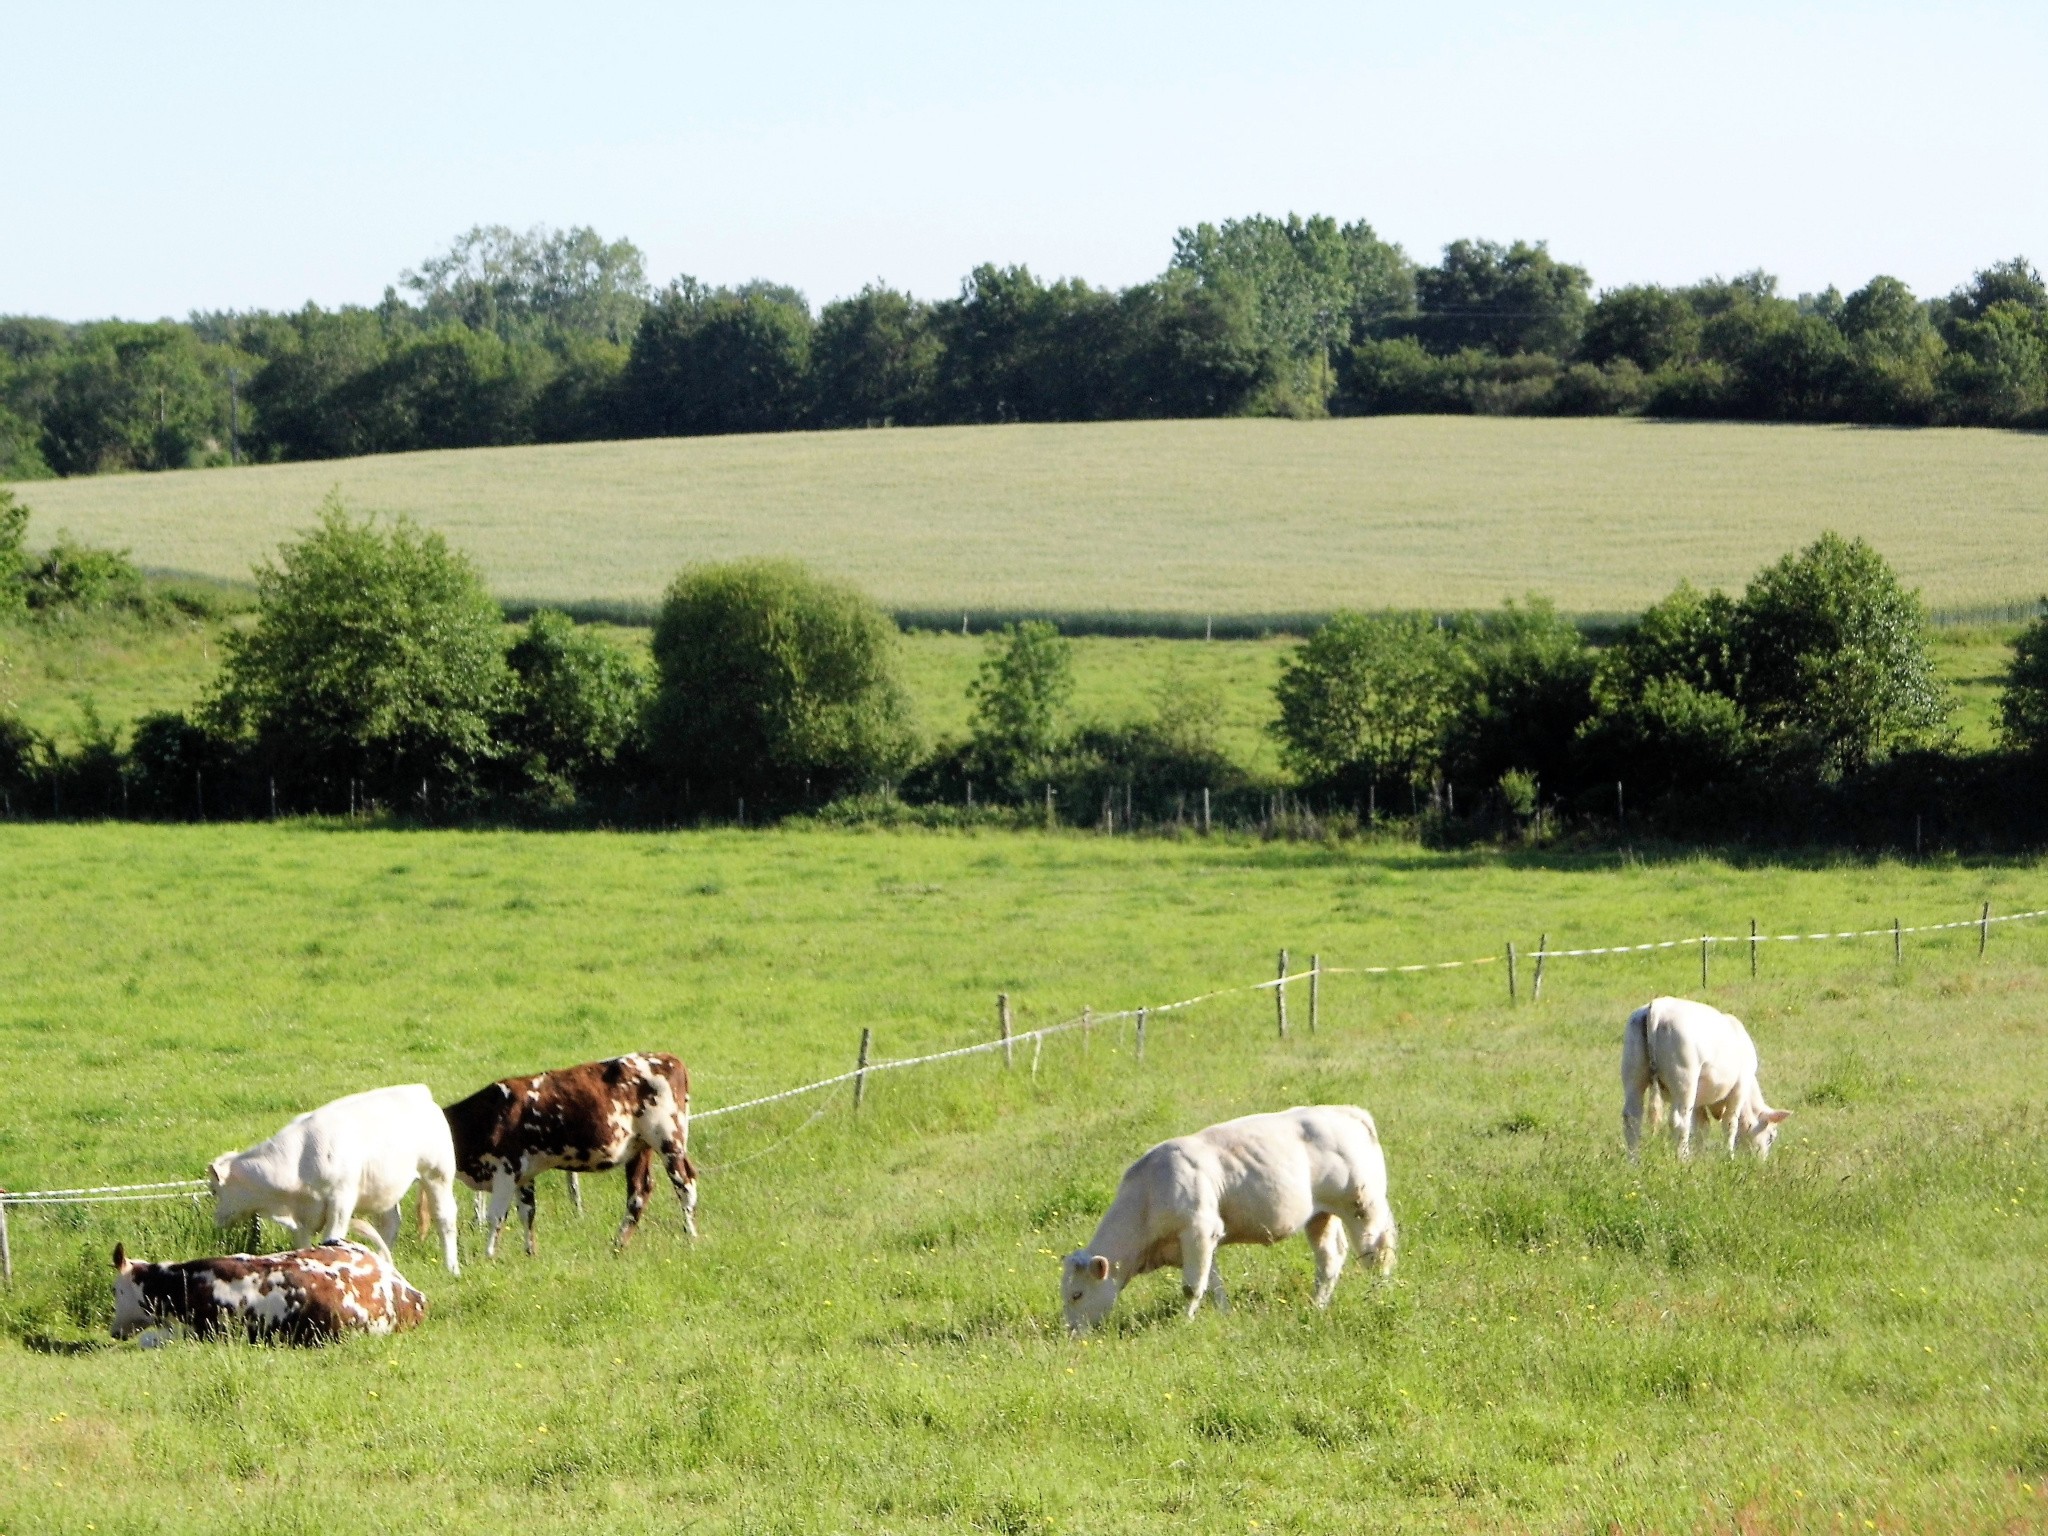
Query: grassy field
[1189, 517]
[1849, 1337]
[126, 670]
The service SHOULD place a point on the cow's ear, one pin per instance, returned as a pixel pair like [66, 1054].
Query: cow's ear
[1099, 1267]
[120, 1257]
[217, 1170]
[1777, 1116]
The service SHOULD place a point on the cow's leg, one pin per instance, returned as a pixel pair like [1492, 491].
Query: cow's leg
[442, 1193]
[339, 1212]
[1327, 1240]
[1684, 1111]
[502, 1189]
[1197, 1263]
[639, 1185]
[576, 1191]
[526, 1214]
[478, 1205]
[387, 1224]
[682, 1178]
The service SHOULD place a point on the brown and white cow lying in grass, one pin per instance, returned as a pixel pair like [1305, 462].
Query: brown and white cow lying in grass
[1703, 1063]
[1258, 1179]
[307, 1296]
[583, 1119]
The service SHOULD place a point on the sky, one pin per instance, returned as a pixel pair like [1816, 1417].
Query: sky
[168, 158]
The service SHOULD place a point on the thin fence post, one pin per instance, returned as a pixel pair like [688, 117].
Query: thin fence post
[1704, 942]
[1542, 954]
[1141, 1034]
[1898, 947]
[1205, 810]
[1752, 949]
[860, 1069]
[1280, 995]
[6, 1245]
[1511, 970]
[1037, 1047]
[1315, 992]
[1087, 1028]
[1984, 930]
[1003, 1016]
[273, 797]
[1048, 808]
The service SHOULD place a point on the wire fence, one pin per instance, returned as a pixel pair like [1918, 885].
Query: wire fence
[1008, 1041]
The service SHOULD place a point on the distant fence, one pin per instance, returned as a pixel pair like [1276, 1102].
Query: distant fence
[1009, 1040]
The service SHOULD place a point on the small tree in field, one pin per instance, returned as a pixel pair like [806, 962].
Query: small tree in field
[2023, 706]
[376, 656]
[575, 700]
[1021, 694]
[776, 686]
[1367, 700]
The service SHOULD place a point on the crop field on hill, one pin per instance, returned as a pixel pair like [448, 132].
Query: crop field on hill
[126, 671]
[1220, 517]
[1848, 1337]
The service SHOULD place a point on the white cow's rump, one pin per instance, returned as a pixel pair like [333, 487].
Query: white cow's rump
[1317, 1170]
[355, 1157]
[1702, 1064]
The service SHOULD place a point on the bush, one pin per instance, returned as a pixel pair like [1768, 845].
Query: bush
[1366, 700]
[2023, 706]
[375, 656]
[1020, 696]
[575, 700]
[1527, 688]
[77, 577]
[180, 770]
[24, 775]
[13, 555]
[775, 686]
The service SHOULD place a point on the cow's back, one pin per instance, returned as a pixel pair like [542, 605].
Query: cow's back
[1682, 1036]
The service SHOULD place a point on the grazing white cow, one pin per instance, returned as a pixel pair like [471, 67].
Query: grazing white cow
[1258, 1179]
[1701, 1062]
[350, 1159]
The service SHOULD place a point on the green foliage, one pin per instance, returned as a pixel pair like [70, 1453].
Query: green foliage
[2023, 704]
[75, 577]
[1501, 299]
[873, 360]
[1022, 693]
[1834, 656]
[375, 656]
[13, 554]
[719, 360]
[775, 686]
[538, 284]
[574, 703]
[1526, 689]
[1648, 326]
[1367, 700]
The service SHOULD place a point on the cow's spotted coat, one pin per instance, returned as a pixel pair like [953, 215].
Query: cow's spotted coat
[582, 1119]
[307, 1296]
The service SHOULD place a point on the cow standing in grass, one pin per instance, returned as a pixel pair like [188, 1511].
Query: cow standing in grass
[305, 1297]
[1259, 1179]
[1701, 1062]
[582, 1119]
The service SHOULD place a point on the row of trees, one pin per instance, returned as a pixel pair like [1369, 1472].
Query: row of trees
[548, 335]
[378, 671]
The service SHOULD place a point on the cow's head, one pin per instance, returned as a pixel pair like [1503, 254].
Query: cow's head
[131, 1308]
[1759, 1127]
[1088, 1289]
[232, 1199]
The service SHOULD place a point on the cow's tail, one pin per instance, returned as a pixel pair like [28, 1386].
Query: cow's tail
[1636, 1073]
[376, 1238]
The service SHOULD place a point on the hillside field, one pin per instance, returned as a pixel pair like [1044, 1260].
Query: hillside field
[1846, 1338]
[1214, 517]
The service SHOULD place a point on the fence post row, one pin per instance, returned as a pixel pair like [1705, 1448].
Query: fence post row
[1280, 995]
[1003, 1018]
[860, 1067]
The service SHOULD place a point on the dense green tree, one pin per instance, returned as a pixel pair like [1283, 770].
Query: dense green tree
[1013, 348]
[874, 358]
[299, 399]
[775, 686]
[2023, 702]
[574, 702]
[1996, 371]
[450, 387]
[1526, 688]
[13, 554]
[1666, 717]
[525, 286]
[1367, 700]
[1649, 326]
[1833, 657]
[134, 397]
[1191, 349]
[1504, 299]
[716, 360]
[375, 656]
[1021, 694]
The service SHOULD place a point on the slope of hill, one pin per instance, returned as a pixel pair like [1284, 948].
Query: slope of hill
[1215, 517]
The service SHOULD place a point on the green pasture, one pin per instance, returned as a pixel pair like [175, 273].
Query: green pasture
[1186, 517]
[1848, 1337]
[125, 669]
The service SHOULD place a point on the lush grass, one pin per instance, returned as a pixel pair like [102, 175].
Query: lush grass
[1849, 1336]
[127, 670]
[1192, 517]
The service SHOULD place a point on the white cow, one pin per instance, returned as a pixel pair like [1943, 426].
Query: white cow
[1700, 1061]
[1259, 1179]
[353, 1158]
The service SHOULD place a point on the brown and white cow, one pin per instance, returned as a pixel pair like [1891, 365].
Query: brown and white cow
[583, 1119]
[307, 1296]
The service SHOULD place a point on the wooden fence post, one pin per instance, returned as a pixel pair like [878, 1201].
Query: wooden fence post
[1898, 948]
[1752, 949]
[6, 1246]
[1205, 810]
[1003, 1016]
[1542, 954]
[1984, 930]
[1315, 992]
[1280, 995]
[860, 1069]
[1704, 942]
[1037, 1047]
[1050, 821]
[1511, 970]
[1141, 1034]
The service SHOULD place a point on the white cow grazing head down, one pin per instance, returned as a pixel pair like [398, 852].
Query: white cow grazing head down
[1702, 1064]
[1317, 1170]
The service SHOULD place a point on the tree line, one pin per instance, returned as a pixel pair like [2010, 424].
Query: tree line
[379, 678]
[559, 335]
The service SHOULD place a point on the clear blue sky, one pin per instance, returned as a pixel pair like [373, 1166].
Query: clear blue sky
[161, 158]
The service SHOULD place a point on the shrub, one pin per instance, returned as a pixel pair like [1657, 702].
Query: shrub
[80, 578]
[776, 686]
[375, 656]
[1527, 688]
[1663, 736]
[13, 555]
[1021, 694]
[2023, 706]
[1366, 700]
[23, 772]
[178, 769]
[575, 700]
